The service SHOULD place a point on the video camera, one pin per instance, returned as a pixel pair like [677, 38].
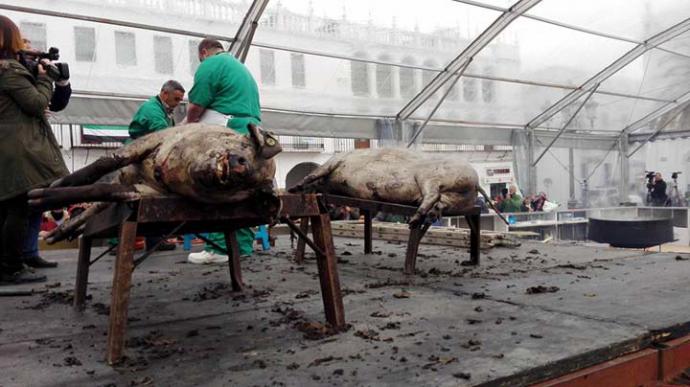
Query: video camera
[650, 179]
[674, 175]
[56, 71]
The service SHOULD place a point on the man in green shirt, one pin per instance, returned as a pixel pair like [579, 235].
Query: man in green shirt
[224, 93]
[156, 113]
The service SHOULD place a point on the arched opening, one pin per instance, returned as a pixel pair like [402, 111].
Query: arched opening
[298, 172]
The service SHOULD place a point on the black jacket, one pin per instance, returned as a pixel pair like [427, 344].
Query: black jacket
[659, 190]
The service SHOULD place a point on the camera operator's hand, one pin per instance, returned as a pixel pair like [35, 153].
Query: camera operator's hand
[42, 70]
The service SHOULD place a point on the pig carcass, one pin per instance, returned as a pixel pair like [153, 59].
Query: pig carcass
[435, 183]
[205, 163]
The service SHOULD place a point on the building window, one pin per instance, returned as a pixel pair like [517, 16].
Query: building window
[162, 53]
[427, 75]
[359, 76]
[453, 94]
[85, 44]
[35, 33]
[125, 48]
[407, 78]
[469, 89]
[267, 60]
[298, 70]
[384, 78]
[193, 55]
[488, 88]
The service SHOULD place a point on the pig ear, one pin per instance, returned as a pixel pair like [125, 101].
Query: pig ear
[267, 145]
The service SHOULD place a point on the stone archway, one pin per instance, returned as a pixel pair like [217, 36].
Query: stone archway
[298, 172]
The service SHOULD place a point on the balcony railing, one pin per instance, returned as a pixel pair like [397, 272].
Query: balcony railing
[301, 144]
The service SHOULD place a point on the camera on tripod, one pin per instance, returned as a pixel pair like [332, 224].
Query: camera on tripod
[650, 179]
[56, 70]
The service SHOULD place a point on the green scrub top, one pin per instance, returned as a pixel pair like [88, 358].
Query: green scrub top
[224, 84]
[151, 117]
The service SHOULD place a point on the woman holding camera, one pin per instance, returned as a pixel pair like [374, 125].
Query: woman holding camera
[29, 154]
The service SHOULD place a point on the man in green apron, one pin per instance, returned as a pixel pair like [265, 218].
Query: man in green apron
[224, 93]
[156, 113]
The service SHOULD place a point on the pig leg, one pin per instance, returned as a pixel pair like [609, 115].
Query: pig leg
[74, 226]
[60, 197]
[104, 165]
[430, 198]
[317, 174]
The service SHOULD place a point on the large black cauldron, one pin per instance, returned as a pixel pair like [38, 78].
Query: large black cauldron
[632, 233]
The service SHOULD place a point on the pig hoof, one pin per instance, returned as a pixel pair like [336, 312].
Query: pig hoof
[416, 220]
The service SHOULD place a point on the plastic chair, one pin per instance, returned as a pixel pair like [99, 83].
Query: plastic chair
[187, 241]
[262, 236]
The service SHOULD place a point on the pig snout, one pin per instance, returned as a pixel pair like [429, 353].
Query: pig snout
[231, 167]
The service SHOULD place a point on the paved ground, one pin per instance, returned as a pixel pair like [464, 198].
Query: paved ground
[447, 326]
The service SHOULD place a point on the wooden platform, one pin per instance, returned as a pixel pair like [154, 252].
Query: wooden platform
[443, 236]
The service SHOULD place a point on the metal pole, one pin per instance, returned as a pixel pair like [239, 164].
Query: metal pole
[651, 137]
[560, 132]
[571, 176]
[612, 69]
[532, 169]
[625, 168]
[477, 45]
[438, 104]
[244, 32]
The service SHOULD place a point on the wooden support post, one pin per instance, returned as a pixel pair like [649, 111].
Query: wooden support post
[122, 281]
[413, 241]
[301, 244]
[367, 232]
[233, 249]
[83, 263]
[475, 239]
[328, 271]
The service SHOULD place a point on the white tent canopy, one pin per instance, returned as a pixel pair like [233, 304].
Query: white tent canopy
[591, 74]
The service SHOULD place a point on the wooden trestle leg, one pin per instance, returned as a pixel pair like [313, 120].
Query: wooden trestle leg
[122, 281]
[82, 280]
[328, 272]
[234, 260]
[301, 244]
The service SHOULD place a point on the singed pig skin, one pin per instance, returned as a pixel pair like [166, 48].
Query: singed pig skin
[433, 182]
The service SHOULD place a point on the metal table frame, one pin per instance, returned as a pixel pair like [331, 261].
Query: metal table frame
[369, 208]
[165, 215]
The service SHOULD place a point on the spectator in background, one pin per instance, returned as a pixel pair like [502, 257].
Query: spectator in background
[513, 202]
[538, 202]
[59, 101]
[658, 191]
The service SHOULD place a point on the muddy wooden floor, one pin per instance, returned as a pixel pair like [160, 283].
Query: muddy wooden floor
[524, 314]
